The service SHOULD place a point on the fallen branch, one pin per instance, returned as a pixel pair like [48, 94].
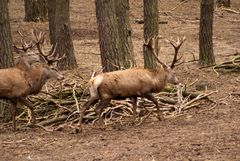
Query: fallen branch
[53, 120]
[228, 66]
[185, 93]
[230, 10]
[60, 107]
[178, 5]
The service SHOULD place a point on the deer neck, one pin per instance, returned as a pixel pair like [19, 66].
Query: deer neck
[39, 77]
[159, 78]
[22, 64]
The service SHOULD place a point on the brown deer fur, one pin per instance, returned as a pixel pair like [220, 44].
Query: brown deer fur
[24, 79]
[13, 81]
[132, 83]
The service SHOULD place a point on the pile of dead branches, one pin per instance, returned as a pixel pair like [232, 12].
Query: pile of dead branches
[60, 104]
[232, 65]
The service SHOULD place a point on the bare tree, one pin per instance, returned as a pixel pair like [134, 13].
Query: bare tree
[6, 56]
[126, 54]
[206, 55]
[114, 34]
[60, 34]
[51, 19]
[35, 10]
[151, 28]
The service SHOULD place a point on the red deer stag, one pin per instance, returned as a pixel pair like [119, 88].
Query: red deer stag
[132, 83]
[24, 79]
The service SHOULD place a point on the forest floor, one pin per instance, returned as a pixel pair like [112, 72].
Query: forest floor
[200, 134]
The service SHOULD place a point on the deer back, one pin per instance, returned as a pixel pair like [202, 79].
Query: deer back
[13, 83]
[130, 82]
[25, 62]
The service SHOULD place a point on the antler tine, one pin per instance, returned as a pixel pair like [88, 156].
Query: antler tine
[49, 57]
[176, 44]
[24, 45]
[22, 41]
[52, 51]
[53, 55]
[39, 40]
[152, 44]
[59, 58]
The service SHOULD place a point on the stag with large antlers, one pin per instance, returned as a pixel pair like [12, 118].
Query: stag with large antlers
[132, 83]
[25, 78]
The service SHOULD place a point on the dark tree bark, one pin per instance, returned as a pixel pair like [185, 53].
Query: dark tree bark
[151, 28]
[126, 54]
[51, 19]
[206, 55]
[35, 10]
[6, 56]
[60, 34]
[108, 34]
[114, 34]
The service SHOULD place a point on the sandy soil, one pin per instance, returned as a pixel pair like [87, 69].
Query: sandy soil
[200, 134]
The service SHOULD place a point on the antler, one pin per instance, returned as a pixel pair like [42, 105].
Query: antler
[49, 58]
[24, 45]
[152, 44]
[176, 44]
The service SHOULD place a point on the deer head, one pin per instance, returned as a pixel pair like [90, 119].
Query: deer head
[152, 45]
[50, 58]
[26, 58]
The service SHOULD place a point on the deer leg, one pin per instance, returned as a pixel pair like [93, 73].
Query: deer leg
[134, 104]
[150, 97]
[31, 115]
[89, 103]
[99, 109]
[14, 112]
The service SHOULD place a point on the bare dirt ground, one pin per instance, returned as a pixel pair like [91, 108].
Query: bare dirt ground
[200, 134]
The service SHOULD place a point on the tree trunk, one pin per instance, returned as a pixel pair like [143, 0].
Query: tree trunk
[6, 56]
[51, 19]
[206, 56]
[108, 34]
[126, 54]
[114, 34]
[35, 10]
[60, 34]
[151, 28]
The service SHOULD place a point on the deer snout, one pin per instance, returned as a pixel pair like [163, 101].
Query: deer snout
[172, 79]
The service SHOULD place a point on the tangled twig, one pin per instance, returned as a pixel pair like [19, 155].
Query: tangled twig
[60, 107]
